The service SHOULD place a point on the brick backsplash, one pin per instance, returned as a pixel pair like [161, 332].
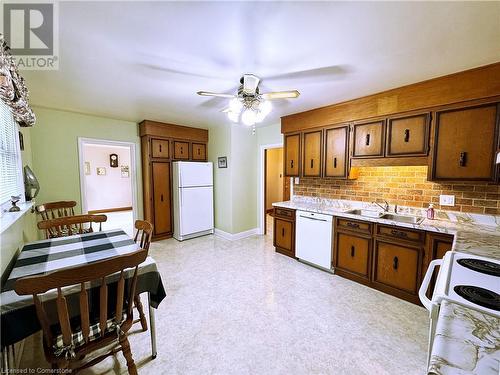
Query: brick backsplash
[405, 186]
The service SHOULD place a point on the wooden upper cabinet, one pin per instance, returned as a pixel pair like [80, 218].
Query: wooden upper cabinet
[408, 135]
[368, 139]
[181, 150]
[336, 151]
[313, 142]
[465, 141]
[160, 148]
[292, 155]
[199, 151]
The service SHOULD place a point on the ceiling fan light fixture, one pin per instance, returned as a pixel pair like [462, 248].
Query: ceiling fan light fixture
[235, 105]
[249, 117]
[233, 116]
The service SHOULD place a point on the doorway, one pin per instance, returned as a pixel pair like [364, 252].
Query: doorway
[274, 188]
[107, 181]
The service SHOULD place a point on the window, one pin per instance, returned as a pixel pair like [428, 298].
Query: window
[11, 176]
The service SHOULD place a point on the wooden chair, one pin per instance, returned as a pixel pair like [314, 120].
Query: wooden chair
[67, 226]
[54, 210]
[143, 238]
[66, 347]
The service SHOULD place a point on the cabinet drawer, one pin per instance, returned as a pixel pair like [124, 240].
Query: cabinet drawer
[283, 234]
[354, 225]
[199, 151]
[284, 213]
[396, 266]
[160, 148]
[353, 254]
[181, 150]
[400, 233]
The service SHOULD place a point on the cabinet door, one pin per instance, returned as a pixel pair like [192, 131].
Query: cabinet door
[353, 254]
[199, 151]
[465, 143]
[408, 136]
[396, 266]
[336, 141]
[292, 155]
[283, 234]
[312, 154]
[161, 198]
[160, 148]
[369, 139]
[181, 150]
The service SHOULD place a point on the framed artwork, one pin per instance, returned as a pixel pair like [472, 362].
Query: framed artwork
[222, 161]
[101, 171]
[86, 167]
[125, 171]
[113, 161]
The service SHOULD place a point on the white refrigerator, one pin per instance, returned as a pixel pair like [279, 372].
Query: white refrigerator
[193, 199]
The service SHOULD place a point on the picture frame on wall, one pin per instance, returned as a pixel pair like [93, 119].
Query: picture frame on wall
[222, 161]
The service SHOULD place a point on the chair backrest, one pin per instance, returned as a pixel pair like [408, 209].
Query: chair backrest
[54, 210]
[67, 226]
[144, 233]
[94, 272]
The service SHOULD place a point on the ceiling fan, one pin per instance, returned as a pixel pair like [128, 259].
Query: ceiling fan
[249, 102]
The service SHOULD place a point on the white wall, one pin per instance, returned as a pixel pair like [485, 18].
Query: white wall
[111, 190]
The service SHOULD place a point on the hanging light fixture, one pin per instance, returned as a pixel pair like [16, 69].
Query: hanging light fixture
[250, 110]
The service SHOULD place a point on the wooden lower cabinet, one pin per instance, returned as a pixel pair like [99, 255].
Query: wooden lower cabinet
[284, 231]
[161, 199]
[396, 269]
[353, 254]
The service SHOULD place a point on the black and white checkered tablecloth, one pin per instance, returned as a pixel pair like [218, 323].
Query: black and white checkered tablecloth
[18, 315]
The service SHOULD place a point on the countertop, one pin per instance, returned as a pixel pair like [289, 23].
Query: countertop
[466, 341]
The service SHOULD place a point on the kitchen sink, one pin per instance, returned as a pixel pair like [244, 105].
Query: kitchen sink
[367, 213]
[403, 218]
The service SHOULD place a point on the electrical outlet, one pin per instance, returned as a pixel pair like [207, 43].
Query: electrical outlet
[447, 200]
[296, 181]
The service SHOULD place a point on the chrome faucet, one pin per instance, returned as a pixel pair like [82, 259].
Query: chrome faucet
[385, 207]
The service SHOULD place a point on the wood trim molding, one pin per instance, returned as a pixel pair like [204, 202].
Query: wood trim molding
[104, 210]
[160, 129]
[477, 83]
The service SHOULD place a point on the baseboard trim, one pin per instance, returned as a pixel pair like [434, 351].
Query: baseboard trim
[103, 211]
[236, 236]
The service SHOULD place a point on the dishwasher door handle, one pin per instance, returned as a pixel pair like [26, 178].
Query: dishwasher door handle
[312, 218]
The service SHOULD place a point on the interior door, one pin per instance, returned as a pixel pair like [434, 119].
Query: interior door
[196, 209]
[161, 198]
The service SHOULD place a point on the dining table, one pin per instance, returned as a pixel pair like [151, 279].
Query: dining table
[18, 319]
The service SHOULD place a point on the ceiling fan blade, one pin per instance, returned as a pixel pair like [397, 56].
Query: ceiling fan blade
[328, 72]
[225, 110]
[219, 95]
[250, 83]
[281, 95]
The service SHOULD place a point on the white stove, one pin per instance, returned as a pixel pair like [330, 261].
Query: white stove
[465, 279]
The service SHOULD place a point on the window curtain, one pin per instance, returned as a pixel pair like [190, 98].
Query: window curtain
[13, 90]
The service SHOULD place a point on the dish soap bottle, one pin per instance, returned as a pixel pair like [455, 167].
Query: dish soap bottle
[430, 212]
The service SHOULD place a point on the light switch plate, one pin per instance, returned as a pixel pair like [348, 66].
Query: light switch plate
[447, 200]
[296, 181]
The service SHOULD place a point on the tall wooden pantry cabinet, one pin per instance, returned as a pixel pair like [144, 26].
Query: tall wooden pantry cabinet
[162, 144]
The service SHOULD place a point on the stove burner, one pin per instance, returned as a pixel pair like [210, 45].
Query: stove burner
[480, 265]
[482, 297]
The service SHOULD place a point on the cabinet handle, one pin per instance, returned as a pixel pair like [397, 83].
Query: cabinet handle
[352, 251]
[198, 151]
[291, 163]
[160, 147]
[395, 263]
[161, 197]
[399, 233]
[367, 142]
[282, 232]
[407, 135]
[182, 151]
[463, 159]
[353, 225]
[312, 163]
[334, 162]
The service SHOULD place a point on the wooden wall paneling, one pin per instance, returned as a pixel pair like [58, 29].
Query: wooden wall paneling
[154, 128]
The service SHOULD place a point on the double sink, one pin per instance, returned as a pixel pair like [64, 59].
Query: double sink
[388, 216]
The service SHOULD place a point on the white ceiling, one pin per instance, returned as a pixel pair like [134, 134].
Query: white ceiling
[136, 60]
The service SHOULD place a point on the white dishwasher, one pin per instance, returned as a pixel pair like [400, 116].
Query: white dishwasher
[313, 239]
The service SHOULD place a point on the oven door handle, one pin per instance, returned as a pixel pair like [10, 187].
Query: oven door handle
[425, 283]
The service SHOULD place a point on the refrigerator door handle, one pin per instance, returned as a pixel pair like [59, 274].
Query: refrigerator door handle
[180, 196]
